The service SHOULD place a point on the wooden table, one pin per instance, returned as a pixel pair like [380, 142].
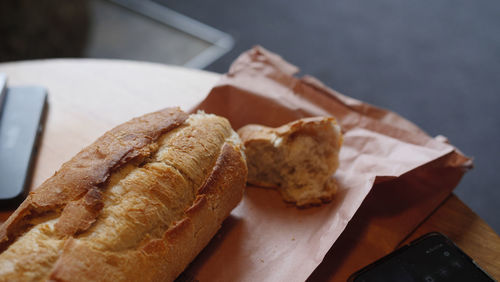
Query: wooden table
[105, 93]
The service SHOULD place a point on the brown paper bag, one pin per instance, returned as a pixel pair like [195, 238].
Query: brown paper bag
[265, 239]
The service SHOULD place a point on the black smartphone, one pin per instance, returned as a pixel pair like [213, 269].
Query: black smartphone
[21, 125]
[3, 87]
[430, 258]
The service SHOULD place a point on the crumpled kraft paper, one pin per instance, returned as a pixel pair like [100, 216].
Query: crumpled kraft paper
[265, 239]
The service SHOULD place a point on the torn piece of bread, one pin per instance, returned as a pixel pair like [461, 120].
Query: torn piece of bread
[136, 205]
[298, 158]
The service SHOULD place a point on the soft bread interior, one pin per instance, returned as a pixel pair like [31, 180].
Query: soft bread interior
[298, 158]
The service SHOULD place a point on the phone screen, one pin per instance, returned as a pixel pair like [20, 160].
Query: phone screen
[431, 258]
[21, 123]
[3, 86]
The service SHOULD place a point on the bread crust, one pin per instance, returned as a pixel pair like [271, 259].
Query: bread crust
[164, 258]
[77, 182]
[186, 188]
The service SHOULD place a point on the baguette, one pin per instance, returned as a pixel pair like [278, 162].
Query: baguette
[136, 205]
[298, 158]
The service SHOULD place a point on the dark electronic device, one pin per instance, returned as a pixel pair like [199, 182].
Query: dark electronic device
[21, 124]
[431, 258]
[3, 86]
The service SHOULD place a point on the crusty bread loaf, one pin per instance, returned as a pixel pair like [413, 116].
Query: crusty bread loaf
[299, 158]
[137, 205]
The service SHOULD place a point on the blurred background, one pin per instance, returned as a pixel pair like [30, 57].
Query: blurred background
[437, 62]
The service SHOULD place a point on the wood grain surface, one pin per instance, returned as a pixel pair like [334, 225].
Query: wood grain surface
[89, 97]
[469, 232]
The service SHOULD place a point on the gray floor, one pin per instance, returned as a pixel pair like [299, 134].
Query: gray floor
[435, 62]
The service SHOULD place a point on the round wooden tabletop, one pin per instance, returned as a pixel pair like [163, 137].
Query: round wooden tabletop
[88, 97]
